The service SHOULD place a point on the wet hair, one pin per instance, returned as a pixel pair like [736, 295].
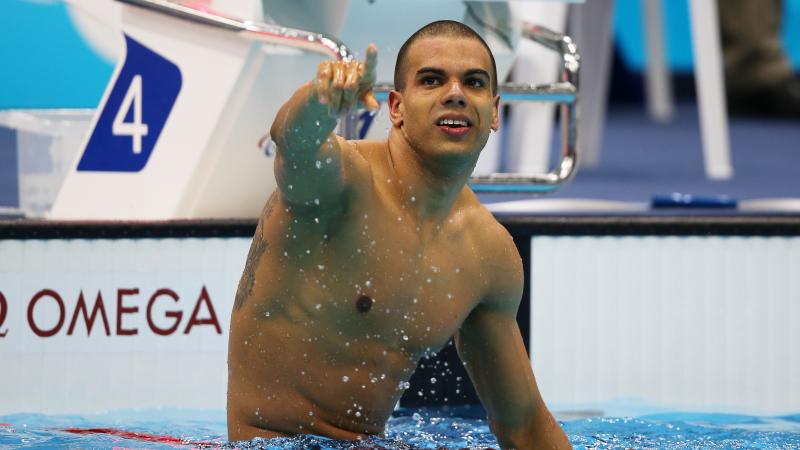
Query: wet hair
[449, 28]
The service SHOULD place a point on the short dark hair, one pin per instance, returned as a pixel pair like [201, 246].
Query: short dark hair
[449, 28]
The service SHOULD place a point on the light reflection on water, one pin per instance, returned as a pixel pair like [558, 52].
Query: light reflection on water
[420, 429]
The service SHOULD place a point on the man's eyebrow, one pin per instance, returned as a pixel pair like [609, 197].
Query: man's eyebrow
[441, 72]
[434, 70]
[477, 72]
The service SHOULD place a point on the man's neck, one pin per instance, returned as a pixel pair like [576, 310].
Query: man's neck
[430, 187]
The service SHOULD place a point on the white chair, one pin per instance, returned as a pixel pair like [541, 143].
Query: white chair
[593, 33]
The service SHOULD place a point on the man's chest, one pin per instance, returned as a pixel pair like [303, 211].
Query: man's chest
[379, 281]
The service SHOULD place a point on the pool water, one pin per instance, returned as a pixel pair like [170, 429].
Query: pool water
[428, 428]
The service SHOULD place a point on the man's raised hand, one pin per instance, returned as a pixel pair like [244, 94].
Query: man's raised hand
[345, 85]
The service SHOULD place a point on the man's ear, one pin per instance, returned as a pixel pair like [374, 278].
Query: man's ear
[396, 108]
[496, 113]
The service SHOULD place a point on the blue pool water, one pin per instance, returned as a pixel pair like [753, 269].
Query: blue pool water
[421, 429]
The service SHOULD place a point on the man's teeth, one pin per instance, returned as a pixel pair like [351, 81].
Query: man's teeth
[453, 122]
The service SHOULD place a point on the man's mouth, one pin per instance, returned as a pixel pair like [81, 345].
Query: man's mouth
[454, 127]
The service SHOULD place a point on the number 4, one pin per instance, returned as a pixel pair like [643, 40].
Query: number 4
[135, 129]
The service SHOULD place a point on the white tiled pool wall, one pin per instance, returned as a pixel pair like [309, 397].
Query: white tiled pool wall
[688, 323]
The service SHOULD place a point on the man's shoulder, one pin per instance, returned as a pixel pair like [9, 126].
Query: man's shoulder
[496, 243]
[499, 254]
[367, 148]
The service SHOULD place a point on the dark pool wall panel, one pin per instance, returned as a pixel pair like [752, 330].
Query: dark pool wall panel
[9, 181]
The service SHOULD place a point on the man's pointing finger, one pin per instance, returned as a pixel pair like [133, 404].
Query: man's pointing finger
[371, 60]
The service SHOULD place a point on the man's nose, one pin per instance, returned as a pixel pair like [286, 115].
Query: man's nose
[454, 96]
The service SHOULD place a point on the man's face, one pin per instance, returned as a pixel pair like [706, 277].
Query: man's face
[447, 107]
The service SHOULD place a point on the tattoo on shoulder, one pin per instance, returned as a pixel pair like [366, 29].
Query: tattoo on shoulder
[257, 249]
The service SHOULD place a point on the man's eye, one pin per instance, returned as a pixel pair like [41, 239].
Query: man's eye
[430, 81]
[476, 83]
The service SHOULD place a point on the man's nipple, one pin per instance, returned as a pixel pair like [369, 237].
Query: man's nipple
[364, 303]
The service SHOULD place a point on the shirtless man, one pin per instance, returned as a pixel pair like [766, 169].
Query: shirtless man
[372, 253]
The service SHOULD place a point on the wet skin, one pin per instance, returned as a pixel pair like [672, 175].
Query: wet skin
[371, 254]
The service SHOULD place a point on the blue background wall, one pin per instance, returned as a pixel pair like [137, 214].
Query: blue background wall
[56, 69]
[630, 38]
[45, 62]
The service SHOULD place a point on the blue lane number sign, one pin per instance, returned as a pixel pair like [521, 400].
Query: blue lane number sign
[134, 114]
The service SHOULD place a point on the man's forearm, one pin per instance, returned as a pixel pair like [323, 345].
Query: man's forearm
[535, 433]
[302, 124]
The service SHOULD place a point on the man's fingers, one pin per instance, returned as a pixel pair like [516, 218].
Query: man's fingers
[371, 61]
[350, 86]
[337, 85]
[341, 84]
[369, 101]
[322, 82]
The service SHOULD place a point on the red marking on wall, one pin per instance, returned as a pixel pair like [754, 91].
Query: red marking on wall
[212, 320]
[32, 306]
[121, 294]
[129, 303]
[89, 318]
[3, 311]
[177, 315]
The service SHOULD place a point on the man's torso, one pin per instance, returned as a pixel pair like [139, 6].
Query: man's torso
[342, 304]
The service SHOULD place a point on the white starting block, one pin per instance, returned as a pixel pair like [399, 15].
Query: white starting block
[176, 134]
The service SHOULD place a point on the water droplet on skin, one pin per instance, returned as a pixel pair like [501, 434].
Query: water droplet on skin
[311, 413]
[345, 379]
[358, 414]
[320, 267]
[290, 187]
[449, 296]
[316, 123]
[318, 306]
[433, 380]
[316, 201]
[405, 338]
[266, 314]
[428, 280]
[328, 160]
[308, 252]
[368, 283]
[318, 163]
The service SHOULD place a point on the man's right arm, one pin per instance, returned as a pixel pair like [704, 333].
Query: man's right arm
[308, 165]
